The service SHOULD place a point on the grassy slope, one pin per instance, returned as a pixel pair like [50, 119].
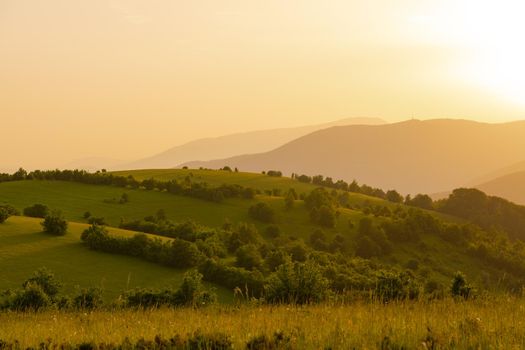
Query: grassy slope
[74, 199]
[477, 324]
[25, 248]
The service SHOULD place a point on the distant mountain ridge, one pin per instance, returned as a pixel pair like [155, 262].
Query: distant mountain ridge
[412, 156]
[507, 182]
[510, 187]
[234, 144]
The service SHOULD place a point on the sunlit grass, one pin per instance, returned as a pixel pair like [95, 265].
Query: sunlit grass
[24, 248]
[478, 324]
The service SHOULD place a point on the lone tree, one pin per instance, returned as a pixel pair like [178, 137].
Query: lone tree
[55, 223]
[394, 196]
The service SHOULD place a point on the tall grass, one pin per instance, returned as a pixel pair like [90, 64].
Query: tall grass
[495, 323]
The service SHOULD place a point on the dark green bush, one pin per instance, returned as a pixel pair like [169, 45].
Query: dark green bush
[262, 212]
[46, 280]
[32, 297]
[10, 210]
[248, 257]
[460, 287]
[88, 299]
[276, 258]
[37, 211]
[297, 283]
[190, 293]
[232, 277]
[55, 223]
[391, 285]
[4, 215]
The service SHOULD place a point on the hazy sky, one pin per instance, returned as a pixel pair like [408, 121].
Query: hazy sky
[125, 79]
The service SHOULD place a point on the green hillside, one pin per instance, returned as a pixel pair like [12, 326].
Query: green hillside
[24, 248]
[73, 199]
[435, 258]
[217, 177]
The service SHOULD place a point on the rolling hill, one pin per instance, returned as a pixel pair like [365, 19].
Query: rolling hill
[24, 248]
[413, 156]
[234, 144]
[435, 257]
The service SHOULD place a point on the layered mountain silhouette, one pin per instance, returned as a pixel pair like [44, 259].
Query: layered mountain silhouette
[234, 144]
[413, 156]
[507, 182]
[510, 187]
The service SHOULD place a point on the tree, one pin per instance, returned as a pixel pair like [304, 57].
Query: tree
[55, 223]
[4, 215]
[32, 297]
[421, 200]
[298, 251]
[88, 299]
[326, 216]
[318, 240]
[394, 196]
[36, 211]
[274, 173]
[20, 174]
[184, 254]
[367, 248]
[317, 198]
[248, 257]
[460, 287]
[276, 258]
[46, 280]
[262, 212]
[192, 291]
[298, 283]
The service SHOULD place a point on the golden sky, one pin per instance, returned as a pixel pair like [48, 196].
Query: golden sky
[125, 79]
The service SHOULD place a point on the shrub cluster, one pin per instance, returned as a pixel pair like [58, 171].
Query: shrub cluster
[190, 293]
[176, 253]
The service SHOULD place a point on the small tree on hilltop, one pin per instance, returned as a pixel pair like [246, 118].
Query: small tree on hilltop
[55, 223]
[394, 196]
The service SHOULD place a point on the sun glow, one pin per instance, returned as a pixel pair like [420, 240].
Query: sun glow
[492, 34]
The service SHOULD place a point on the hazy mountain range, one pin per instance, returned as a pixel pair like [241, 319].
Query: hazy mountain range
[235, 144]
[510, 186]
[413, 156]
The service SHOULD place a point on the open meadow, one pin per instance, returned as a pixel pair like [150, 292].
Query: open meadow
[495, 323]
